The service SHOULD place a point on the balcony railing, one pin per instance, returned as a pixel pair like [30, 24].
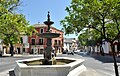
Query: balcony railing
[57, 44]
[37, 44]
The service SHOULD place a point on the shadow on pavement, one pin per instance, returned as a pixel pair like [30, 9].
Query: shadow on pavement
[105, 59]
[11, 73]
[4, 56]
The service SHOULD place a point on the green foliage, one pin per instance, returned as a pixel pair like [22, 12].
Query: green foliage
[8, 6]
[101, 16]
[12, 25]
[89, 37]
[83, 38]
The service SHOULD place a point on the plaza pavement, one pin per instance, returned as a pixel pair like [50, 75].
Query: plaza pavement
[10, 72]
[88, 72]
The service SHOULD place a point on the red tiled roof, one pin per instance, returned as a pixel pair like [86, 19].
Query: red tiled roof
[43, 25]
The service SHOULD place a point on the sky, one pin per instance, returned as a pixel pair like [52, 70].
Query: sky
[36, 11]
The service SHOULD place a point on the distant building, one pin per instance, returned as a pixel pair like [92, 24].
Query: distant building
[70, 44]
[38, 44]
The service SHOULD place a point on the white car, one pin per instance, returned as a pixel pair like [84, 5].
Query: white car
[82, 52]
[76, 51]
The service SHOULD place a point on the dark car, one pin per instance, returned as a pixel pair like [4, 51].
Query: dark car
[65, 51]
[70, 53]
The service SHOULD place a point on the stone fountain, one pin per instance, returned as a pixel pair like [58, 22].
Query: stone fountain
[43, 66]
[47, 51]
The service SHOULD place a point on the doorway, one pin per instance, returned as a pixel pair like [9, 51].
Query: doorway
[18, 50]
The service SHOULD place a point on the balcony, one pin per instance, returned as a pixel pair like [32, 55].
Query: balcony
[37, 44]
[32, 44]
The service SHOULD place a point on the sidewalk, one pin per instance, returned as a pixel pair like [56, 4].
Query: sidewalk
[22, 55]
[105, 58]
[10, 72]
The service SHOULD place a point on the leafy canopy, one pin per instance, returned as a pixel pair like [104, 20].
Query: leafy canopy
[99, 15]
[12, 25]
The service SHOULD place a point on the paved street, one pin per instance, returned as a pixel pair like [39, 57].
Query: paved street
[102, 64]
[96, 65]
[7, 63]
[99, 65]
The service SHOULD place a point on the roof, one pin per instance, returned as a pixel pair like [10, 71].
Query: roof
[43, 25]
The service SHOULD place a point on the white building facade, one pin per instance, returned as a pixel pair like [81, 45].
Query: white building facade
[70, 44]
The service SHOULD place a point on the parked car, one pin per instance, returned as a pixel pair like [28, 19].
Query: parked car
[82, 52]
[64, 52]
[70, 53]
[76, 51]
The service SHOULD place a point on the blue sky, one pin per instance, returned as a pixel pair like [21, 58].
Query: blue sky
[36, 11]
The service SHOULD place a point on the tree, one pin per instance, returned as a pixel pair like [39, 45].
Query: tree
[89, 37]
[12, 25]
[83, 38]
[99, 15]
[8, 6]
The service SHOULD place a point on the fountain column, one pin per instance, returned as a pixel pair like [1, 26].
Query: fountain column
[48, 49]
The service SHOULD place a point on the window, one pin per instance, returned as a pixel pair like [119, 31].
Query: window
[55, 42]
[33, 41]
[61, 35]
[33, 32]
[62, 41]
[40, 41]
[23, 49]
[50, 30]
[41, 30]
[59, 42]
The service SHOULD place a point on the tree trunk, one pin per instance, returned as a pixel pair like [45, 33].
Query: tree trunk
[11, 49]
[114, 58]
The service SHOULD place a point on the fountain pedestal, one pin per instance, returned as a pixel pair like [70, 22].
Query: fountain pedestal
[48, 49]
[47, 53]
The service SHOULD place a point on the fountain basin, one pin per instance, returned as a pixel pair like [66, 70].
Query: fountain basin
[68, 69]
